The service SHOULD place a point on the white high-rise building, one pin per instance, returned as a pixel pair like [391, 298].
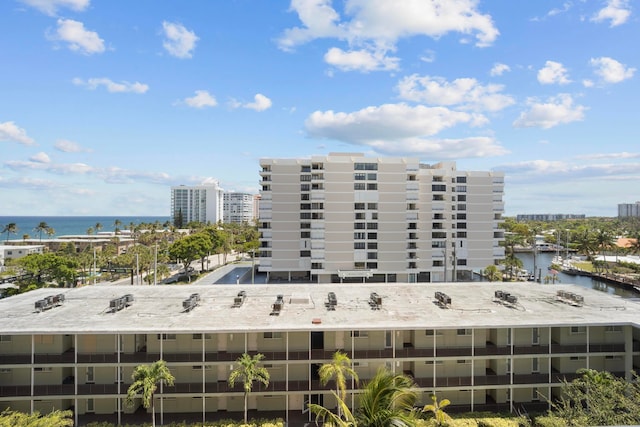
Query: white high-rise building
[350, 218]
[200, 203]
[239, 208]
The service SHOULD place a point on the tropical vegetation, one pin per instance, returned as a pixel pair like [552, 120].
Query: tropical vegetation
[247, 370]
[146, 379]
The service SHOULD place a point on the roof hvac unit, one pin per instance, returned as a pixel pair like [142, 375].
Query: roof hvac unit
[277, 306]
[49, 302]
[570, 298]
[118, 304]
[443, 299]
[506, 297]
[191, 302]
[332, 301]
[375, 301]
[238, 300]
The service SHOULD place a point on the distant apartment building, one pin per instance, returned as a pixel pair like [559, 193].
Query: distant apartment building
[548, 217]
[626, 210]
[15, 252]
[350, 218]
[239, 207]
[199, 203]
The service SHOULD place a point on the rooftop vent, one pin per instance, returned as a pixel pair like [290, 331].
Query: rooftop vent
[238, 300]
[375, 301]
[191, 302]
[277, 306]
[506, 297]
[443, 299]
[118, 304]
[332, 301]
[570, 298]
[49, 302]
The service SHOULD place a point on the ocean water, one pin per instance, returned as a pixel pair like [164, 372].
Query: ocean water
[65, 225]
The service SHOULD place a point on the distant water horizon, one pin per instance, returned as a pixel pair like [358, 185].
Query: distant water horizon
[69, 225]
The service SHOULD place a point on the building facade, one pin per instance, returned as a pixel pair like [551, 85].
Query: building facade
[351, 218]
[626, 210]
[199, 203]
[239, 208]
[17, 251]
[472, 343]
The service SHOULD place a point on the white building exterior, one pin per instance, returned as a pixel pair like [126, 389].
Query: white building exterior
[14, 252]
[239, 208]
[480, 350]
[200, 203]
[626, 210]
[350, 218]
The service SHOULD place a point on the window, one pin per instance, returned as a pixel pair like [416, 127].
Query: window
[317, 266]
[372, 206]
[305, 234]
[461, 188]
[358, 265]
[372, 265]
[438, 263]
[358, 245]
[388, 339]
[359, 215]
[372, 255]
[305, 178]
[372, 226]
[578, 358]
[305, 196]
[199, 336]
[359, 176]
[535, 336]
[90, 405]
[508, 367]
[359, 334]
[5, 338]
[359, 226]
[463, 361]
[578, 330]
[305, 254]
[358, 206]
[432, 332]
[535, 365]
[613, 328]
[305, 187]
[90, 375]
[535, 395]
[365, 166]
[166, 337]
[438, 187]
[462, 197]
[462, 234]
[461, 262]
[464, 332]
[372, 186]
[461, 179]
[358, 186]
[372, 235]
[372, 245]
[272, 335]
[359, 235]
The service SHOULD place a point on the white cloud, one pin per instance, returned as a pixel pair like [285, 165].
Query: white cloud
[201, 99]
[360, 60]
[10, 132]
[499, 69]
[50, 7]
[69, 146]
[616, 11]
[587, 83]
[111, 86]
[375, 26]
[40, 157]
[401, 129]
[557, 110]
[428, 56]
[610, 70]
[467, 93]
[78, 38]
[553, 72]
[621, 155]
[179, 41]
[260, 103]
[55, 168]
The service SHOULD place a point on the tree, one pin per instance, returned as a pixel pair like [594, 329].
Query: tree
[337, 370]
[388, 400]
[98, 227]
[117, 224]
[437, 409]
[492, 273]
[10, 228]
[190, 248]
[145, 382]
[89, 231]
[598, 398]
[346, 419]
[41, 228]
[51, 266]
[248, 371]
[20, 419]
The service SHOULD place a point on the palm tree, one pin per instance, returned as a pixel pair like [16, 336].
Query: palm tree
[10, 228]
[437, 408]
[334, 420]
[40, 228]
[89, 231]
[25, 237]
[388, 400]
[338, 370]
[248, 371]
[117, 224]
[98, 227]
[50, 231]
[492, 273]
[145, 382]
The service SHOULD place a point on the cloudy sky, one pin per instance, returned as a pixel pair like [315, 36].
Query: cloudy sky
[104, 104]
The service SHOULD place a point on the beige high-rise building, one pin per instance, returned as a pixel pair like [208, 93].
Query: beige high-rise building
[350, 218]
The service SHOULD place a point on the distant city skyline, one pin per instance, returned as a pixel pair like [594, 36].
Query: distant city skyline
[107, 105]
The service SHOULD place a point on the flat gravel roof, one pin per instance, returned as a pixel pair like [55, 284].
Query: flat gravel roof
[403, 306]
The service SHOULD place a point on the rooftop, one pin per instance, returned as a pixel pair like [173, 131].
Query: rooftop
[402, 306]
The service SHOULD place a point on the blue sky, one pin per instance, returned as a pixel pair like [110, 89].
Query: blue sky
[106, 104]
